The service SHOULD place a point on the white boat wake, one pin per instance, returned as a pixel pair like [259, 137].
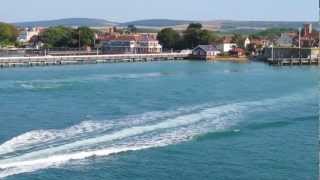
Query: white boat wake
[43, 149]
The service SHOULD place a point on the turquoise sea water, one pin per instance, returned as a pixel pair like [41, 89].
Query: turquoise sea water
[162, 120]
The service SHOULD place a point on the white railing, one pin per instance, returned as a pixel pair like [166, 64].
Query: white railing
[91, 57]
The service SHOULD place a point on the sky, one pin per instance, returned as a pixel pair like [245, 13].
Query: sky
[128, 10]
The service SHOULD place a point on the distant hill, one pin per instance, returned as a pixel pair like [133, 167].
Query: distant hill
[67, 22]
[157, 22]
[221, 25]
[226, 25]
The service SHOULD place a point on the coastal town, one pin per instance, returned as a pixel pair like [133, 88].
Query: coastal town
[159, 90]
[194, 42]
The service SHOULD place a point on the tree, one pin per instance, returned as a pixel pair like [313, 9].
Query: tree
[8, 34]
[251, 48]
[207, 37]
[86, 36]
[58, 37]
[194, 35]
[195, 26]
[238, 39]
[132, 28]
[273, 33]
[169, 38]
[65, 37]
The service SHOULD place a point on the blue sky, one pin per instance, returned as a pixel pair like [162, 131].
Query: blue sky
[127, 10]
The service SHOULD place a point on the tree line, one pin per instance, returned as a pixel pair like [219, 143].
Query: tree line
[191, 37]
[8, 34]
[65, 37]
[53, 37]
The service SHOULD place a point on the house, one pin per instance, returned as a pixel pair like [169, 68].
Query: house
[148, 43]
[130, 44]
[226, 45]
[247, 42]
[237, 52]
[26, 35]
[309, 36]
[287, 39]
[260, 42]
[205, 52]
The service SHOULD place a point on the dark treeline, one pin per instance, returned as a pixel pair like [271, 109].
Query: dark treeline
[8, 34]
[65, 37]
[191, 37]
[53, 37]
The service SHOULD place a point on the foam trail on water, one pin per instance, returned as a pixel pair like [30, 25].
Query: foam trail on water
[33, 138]
[134, 133]
[46, 84]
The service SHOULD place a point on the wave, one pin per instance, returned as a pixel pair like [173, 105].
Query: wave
[45, 84]
[43, 149]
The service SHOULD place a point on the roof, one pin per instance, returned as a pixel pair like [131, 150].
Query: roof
[207, 48]
[132, 37]
[290, 34]
[227, 39]
[238, 50]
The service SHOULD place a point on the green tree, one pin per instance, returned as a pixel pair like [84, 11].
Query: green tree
[251, 48]
[86, 36]
[8, 34]
[207, 37]
[191, 36]
[58, 37]
[195, 35]
[132, 28]
[238, 39]
[65, 37]
[169, 38]
[273, 33]
[195, 26]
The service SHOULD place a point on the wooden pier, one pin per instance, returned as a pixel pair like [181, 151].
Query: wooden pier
[6, 62]
[294, 61]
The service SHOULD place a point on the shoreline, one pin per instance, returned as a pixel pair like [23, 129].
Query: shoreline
[235, 59]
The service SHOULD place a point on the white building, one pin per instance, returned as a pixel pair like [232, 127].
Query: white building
[226, 47]
[286, 39]
[205, 52]
[27, 34]
[127, 44]
[247, 42]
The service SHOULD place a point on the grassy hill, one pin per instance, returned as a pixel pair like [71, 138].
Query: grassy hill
[67, 22]
[157, 24]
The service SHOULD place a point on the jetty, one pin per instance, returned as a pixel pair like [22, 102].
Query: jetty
[6, 62]
[292, 56]
[293, 61]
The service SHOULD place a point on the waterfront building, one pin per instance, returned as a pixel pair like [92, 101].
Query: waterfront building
[261, 42]
[287, 39]
[205, 52]
[26, 35]
[247, 42]
[309, 36]
[237, 52]
[226, 45]
[130, 44]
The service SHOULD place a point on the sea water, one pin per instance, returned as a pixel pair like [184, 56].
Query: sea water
[159, 120]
